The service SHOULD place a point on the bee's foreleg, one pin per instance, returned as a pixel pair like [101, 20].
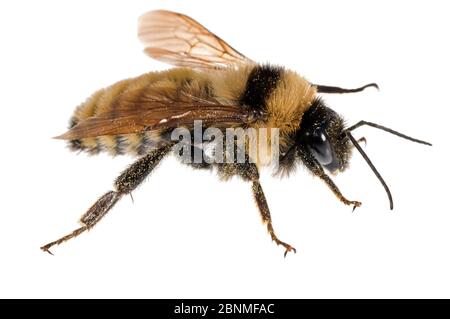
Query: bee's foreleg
[338, 90]
[249, 172]
[124, 184]
[310, 162]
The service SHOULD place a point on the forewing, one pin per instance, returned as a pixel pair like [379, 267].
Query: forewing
[155, 109]
[181, 41]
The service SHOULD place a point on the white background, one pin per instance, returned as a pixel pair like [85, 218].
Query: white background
[189, 235]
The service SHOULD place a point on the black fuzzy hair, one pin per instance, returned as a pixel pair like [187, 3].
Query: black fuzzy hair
[319, 115]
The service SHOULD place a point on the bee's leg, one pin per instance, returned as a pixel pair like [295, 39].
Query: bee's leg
[260, 199]
[335, 89]
[124, 184]
[249, 172]
[310, 162]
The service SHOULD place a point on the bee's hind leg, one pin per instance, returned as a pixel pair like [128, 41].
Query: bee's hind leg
[124, 184]
[249, 172]
[336, 89]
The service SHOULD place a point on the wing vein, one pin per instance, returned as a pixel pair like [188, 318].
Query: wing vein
[179, 40]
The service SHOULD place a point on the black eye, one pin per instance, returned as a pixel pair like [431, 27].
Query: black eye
[320, 146]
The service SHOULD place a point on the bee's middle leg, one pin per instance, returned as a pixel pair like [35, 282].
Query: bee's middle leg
[249, 172]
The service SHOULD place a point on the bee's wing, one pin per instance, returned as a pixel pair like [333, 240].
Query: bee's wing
[156, 109]
[181, 41]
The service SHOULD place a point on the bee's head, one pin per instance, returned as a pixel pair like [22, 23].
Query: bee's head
[323, 139]
[322, 134]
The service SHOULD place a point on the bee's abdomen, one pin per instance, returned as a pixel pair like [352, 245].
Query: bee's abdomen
[133, 144]
[100, 102]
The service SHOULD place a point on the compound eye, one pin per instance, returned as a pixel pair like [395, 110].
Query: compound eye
[320, 146]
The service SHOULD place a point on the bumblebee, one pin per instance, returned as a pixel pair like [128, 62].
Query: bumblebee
[213, 83]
